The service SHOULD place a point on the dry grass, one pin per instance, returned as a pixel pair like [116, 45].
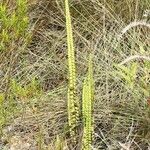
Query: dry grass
[121, 115]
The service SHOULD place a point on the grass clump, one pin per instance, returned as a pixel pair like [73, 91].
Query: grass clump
[117, 33]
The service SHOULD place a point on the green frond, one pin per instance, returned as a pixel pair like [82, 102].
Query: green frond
[73, 106]
[87, 107]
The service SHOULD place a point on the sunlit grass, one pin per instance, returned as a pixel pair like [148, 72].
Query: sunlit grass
[121, 111]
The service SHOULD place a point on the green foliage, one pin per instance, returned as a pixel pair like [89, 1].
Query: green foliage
[87, 108]
[135, 78]
[20, 93]
[26, 92]
[14, 24]
[73, 108]
[128, 74]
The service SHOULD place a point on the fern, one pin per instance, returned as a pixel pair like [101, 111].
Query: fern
[87, 108]
[73, 111]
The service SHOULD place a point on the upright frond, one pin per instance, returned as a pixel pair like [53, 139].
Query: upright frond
[73, 111]
[87, 107]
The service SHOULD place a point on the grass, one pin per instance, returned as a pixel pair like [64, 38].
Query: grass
[121, 112]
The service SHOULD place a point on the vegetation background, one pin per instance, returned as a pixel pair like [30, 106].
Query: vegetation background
[34, 72]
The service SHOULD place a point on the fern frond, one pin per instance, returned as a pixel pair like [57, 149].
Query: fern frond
[73, 106]
[87, 107]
